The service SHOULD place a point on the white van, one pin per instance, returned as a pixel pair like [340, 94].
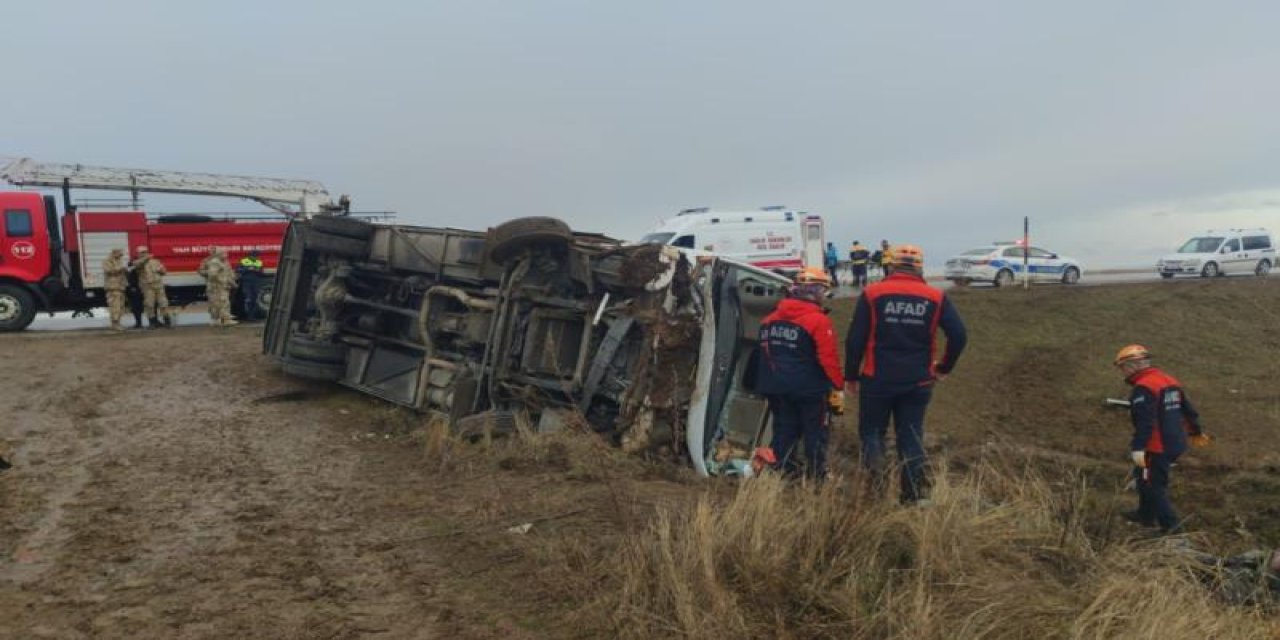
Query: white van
[1221, 253]
[774, 238]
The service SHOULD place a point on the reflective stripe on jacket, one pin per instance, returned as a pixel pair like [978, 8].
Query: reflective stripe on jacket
[891, 341]
[797, 351]
[1161, 412]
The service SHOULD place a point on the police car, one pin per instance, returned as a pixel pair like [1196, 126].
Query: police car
[1001, 264]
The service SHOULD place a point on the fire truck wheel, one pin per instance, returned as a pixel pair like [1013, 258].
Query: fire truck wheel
[340, 246]
[507, 239]
[343, 226]
[305, 348]
[17, 308]
[322, 371]
[264, 296]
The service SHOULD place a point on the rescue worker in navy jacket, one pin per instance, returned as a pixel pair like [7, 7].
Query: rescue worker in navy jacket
[1164, 423]
[249, 272]
[799, 371]
[889, 363]
[858, 257]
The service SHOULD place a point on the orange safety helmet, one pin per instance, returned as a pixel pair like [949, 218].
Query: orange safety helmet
[813, 275]
[909, 256]
[1131, 353]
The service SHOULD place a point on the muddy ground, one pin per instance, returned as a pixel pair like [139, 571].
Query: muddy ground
[173, 484]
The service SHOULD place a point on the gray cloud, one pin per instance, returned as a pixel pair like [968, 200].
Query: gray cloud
[943, 125]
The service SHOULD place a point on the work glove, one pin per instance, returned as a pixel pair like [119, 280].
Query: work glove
[763, 458]
[1201, 440]
[835, 401]
[1139, 458]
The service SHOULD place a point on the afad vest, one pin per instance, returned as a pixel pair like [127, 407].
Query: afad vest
[1169, 434]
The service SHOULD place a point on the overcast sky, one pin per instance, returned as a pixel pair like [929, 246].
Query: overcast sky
[1120, 127]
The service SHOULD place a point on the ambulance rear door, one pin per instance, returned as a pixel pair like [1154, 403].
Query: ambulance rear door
[814, 241]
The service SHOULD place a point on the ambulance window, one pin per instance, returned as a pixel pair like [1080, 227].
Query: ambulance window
[684, 242]
[17, 223]
[814, 232]
[1232, 245]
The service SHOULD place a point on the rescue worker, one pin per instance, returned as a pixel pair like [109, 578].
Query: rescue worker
[250, 271]
[133, 291]
[889, 363]
[219, 280]
[1164, 423]
[831, 260]
[799, 372]
[886, 258]
[858, 256]
[115, 279]
[151, 280]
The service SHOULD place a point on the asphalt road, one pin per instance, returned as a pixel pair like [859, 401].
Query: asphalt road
[197, 316]
[1103, 278]
[194, 317]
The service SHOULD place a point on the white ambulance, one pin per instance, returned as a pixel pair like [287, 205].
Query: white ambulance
[774, 238]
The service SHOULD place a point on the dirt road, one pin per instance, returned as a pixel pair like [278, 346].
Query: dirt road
[174, 485]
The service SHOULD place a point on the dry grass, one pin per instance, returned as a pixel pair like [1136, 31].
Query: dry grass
[1001, 554]
[1038, 367]
[1022, 542]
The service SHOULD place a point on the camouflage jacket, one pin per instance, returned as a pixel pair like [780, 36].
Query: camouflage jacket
[217, 272]
[150, 272]
[115, 275]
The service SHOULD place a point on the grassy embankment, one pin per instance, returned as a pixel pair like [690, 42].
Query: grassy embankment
[1022, 542]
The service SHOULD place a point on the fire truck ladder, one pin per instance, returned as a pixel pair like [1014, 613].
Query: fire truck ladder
[290, 197]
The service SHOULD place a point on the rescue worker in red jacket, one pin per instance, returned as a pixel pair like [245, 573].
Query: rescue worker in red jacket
[799, 372]
[1164, 423]
[889, 364]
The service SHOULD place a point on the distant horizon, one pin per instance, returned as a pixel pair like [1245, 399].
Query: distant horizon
[178, 205]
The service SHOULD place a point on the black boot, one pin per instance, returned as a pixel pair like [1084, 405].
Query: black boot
[1136, 517]
[152, 322]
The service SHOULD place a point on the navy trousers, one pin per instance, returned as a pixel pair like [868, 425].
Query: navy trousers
[249, 288]
[1153, 492]
[907, 410]
[797, 416]
[859, 276]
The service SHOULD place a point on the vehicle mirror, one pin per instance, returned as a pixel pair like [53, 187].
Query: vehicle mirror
[1053, 256]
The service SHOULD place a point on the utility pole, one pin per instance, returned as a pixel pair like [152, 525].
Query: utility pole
[1026, 252]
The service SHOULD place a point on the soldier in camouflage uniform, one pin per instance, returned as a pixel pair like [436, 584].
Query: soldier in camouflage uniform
[151, 279]
[115, 276]
[219, 280]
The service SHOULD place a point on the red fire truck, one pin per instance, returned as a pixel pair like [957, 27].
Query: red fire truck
[53, 263]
